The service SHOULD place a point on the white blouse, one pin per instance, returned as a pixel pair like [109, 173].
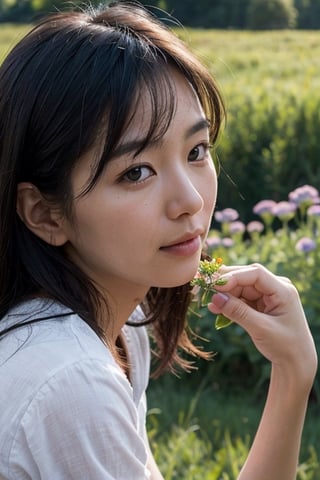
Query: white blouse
[67, 410]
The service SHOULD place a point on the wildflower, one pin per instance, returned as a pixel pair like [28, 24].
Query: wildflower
[306, 244]
[236, 227]
[263, 207]
[204, 282]
[226, 216]
[207, 273]
[255, 226]
[284, 210]
[304, 195]
[264, 210]
[314, 211]
[213, 241]
[227, 242]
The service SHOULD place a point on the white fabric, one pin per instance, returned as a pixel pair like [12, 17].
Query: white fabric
[67, 411]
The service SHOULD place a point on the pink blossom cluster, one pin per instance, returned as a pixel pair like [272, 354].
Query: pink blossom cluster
[304, 199]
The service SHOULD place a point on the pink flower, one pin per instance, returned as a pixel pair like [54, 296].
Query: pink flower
[226, 216]
[264, 206]
[304, 194]
[255, 226]
[236, 227]
[213, 241]
[314, 211]
[284, 210]
[306, 244]
[227, 242]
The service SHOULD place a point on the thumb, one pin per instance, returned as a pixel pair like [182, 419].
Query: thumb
[233, 308]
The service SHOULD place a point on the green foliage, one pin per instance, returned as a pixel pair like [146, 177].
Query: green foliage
[201, 433]
[279, 249]
[185, 454]
[189, 451]
[272, 91]
[309, 13]
[9, 36]
[23, 11]
[271, 14]
[237, 14]
[268, 140]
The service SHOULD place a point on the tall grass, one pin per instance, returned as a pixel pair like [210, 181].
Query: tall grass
[272, 60]
[239, 59]
[203, 433]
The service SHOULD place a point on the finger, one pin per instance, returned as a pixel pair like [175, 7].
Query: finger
[224, 269]
[236, 310]
[252, 276]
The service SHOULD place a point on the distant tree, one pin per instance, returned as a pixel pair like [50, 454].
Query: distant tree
[15, 10]
[29, 10]
[309, 14]
[271, 14]
[205, 13]
[238, 14]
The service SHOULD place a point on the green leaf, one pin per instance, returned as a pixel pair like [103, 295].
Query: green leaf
[222, 322]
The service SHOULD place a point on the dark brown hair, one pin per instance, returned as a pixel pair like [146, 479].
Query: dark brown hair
[73, 81]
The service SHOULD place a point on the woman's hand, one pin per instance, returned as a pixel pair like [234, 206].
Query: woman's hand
[268, 307]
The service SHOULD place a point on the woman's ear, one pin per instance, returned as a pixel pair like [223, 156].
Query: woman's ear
[39, 215]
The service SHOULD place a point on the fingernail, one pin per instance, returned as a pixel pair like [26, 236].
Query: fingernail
[219, 299]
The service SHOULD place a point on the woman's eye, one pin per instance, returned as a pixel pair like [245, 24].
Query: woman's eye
[198, 153]
[137, 174]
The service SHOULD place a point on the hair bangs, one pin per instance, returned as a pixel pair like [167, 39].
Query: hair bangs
[157, 87]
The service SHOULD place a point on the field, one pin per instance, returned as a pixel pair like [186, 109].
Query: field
[275, 61]
[201, 425]
[9, 36]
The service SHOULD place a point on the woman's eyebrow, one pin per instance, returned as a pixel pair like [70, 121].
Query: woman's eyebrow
[127, 147]
[202, 124]
[134, 145]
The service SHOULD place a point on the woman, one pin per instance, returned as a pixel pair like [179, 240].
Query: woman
[107, 192]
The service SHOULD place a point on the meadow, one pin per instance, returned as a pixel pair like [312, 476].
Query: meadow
[201, 424]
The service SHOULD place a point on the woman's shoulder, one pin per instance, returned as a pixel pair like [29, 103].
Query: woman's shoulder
[49, 331]
[66, 402]
[57, 365]
[59, 341]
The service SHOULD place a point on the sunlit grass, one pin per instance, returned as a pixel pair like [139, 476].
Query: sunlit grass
[240, 57]
[9, 35]
[199, 432]
[242, 61]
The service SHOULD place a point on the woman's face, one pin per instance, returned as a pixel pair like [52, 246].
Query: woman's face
[145, 221]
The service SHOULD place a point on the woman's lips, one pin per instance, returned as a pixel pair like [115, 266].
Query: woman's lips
[184, 248]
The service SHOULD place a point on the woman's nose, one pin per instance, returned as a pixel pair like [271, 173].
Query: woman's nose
[183, 196]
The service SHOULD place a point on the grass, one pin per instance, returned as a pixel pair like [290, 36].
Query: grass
[239, 58]
[198, 431]
[275, 58]
[275, 62]
[9, 35]
[202, 402]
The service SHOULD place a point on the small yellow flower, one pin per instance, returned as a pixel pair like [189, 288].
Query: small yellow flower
[204, 283]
